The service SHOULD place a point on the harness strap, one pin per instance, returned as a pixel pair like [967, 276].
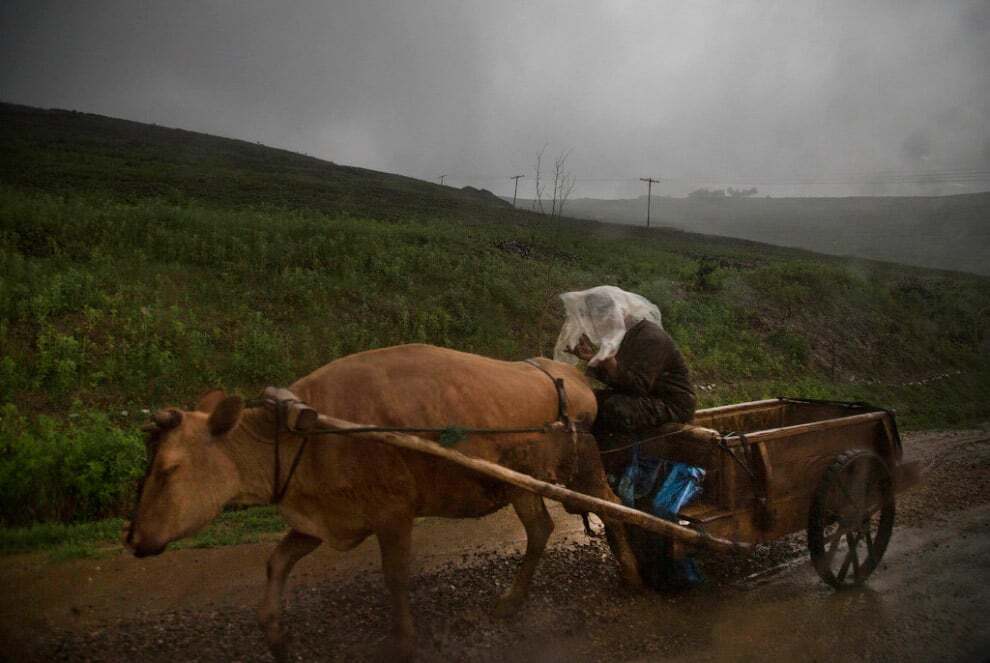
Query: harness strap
[278, 491]
[562, 415]
[558, 383]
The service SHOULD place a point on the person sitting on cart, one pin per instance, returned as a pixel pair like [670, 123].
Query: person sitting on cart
[648, 385]
[648, 382]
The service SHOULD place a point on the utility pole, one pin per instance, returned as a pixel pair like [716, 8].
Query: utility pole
[649, 195]
[515, 188]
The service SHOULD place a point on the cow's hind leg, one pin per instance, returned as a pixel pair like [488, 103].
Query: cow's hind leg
[395, 542]
[533, 514]
[290, 550]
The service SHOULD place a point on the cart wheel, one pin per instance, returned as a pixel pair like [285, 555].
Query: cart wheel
[854, 502]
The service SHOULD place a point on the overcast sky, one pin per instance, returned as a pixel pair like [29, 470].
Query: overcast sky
[795, 97]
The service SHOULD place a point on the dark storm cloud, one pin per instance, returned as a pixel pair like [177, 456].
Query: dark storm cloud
[811, 95]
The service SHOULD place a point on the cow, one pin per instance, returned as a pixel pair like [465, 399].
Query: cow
[346, 488]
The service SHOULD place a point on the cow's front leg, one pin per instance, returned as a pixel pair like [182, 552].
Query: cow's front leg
[395, 542]
[539, 525]
[290, 550]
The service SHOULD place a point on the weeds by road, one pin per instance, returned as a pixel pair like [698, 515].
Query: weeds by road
[61, 541]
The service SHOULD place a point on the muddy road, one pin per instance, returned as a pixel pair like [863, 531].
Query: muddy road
[930, 600]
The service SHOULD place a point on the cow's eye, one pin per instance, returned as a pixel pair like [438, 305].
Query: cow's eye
[168, 471]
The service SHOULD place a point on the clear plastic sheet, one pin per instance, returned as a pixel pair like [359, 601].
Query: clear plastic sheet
[602, 314]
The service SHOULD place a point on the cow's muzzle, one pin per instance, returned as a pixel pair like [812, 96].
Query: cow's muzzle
[140, 547]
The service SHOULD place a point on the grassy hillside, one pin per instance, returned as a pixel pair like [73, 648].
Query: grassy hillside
[944, 232]
[65, 151]
[118, 297]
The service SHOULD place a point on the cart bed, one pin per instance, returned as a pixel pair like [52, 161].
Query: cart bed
[764, 459]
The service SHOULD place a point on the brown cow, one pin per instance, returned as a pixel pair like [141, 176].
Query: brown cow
[346, 488]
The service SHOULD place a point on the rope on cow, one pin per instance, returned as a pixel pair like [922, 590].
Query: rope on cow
[448, 436]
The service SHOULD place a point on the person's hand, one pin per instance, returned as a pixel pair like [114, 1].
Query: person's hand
[609, 366]
[584, 350]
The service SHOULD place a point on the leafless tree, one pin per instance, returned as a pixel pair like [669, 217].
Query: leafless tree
[563, 183]
[541, 187]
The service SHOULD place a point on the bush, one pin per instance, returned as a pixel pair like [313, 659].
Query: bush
[81, 469]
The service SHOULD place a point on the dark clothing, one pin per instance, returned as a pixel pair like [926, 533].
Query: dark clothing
[652, 385]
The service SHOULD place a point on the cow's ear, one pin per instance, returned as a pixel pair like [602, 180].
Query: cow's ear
[225, 415]
[209, 401]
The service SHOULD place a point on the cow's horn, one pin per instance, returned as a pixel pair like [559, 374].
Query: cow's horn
[166, 419]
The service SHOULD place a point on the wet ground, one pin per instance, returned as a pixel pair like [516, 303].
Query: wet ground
[929, 600]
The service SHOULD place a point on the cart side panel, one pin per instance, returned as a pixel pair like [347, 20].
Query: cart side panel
[764, 415]
[798, 461]
[797, 464]
[758, 416]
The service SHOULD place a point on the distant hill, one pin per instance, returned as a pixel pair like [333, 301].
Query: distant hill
[946, 232]
[59, 150]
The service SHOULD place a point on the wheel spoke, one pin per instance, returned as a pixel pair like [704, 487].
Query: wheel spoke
[848, 559]
[855, 559]
[832, 546]
[869, 542]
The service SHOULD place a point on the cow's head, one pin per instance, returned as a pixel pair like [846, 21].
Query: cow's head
[190, 475]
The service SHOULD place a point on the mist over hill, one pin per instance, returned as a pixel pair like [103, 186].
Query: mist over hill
[943, 232]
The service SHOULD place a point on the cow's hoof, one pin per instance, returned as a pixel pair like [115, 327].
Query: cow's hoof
[279, 650]
[398, 648]
[508, 605]
[278, 643]
[632, 580]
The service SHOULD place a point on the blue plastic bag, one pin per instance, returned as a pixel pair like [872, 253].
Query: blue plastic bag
[682, 484]
[679, 484]
[639, 478]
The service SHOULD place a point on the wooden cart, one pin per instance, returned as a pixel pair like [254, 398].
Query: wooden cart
[780, 466]
[773, 468]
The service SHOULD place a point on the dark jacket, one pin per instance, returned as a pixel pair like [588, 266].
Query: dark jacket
[652, 376]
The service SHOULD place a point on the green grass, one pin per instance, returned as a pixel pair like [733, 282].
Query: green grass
[240, 526]
[117, 297]
[61, 541]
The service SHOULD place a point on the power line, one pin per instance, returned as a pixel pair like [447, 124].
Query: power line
[932, 177]
[961, 177]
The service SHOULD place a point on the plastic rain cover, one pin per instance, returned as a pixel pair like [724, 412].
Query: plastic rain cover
[601, 313]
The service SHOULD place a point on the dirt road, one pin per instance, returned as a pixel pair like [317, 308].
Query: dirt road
[929, 600]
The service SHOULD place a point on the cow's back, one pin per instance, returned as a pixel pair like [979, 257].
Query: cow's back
[428, 386]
